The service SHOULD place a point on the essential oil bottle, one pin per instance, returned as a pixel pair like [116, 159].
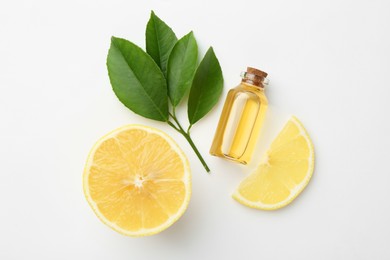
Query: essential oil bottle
[241, 118]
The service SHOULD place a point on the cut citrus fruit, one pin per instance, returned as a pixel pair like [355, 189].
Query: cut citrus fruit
[137, 180]
[284, 173]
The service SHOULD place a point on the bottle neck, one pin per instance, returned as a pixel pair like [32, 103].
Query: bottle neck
[253, 80]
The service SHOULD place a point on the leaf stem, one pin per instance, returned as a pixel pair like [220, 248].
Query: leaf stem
[172, 125]
[187, 136]
[189, 128]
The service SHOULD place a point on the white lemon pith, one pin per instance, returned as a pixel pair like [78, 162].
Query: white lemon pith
[137, 180]
[284, 172]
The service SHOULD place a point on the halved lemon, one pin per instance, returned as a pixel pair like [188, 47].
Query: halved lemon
[137, 180]
[284, 172]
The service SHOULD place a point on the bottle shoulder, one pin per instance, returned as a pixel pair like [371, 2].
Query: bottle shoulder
[253, 91]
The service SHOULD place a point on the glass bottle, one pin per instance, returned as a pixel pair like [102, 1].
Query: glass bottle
[241, 118]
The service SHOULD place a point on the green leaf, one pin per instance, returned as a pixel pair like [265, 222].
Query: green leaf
[206, 87]
[136, 80]
[181, 67]
[160, 40]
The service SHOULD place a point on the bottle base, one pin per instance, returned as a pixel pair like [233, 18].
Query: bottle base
[230, 158]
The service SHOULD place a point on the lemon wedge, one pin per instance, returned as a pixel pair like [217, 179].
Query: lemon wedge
[137, 180]
[284, 172]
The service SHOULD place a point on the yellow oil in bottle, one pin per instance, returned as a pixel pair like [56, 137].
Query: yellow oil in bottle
[241, 119]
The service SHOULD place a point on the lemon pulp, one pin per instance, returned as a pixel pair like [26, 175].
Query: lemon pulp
[137, 180]
[284, 172]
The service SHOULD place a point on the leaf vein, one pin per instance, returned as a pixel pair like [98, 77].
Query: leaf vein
[143, 89]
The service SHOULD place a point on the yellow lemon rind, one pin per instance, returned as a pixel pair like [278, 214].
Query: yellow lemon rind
[297, 190]
[186, 181]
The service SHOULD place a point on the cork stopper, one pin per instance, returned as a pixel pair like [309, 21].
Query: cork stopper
[256, 72]
[254, 77]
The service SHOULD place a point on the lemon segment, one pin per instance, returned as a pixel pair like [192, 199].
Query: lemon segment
[284, 172]
[137, 180]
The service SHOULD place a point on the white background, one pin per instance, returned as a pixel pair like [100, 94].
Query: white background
[328, 64]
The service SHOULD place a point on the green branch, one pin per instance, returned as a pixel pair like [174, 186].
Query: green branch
[187, 136]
